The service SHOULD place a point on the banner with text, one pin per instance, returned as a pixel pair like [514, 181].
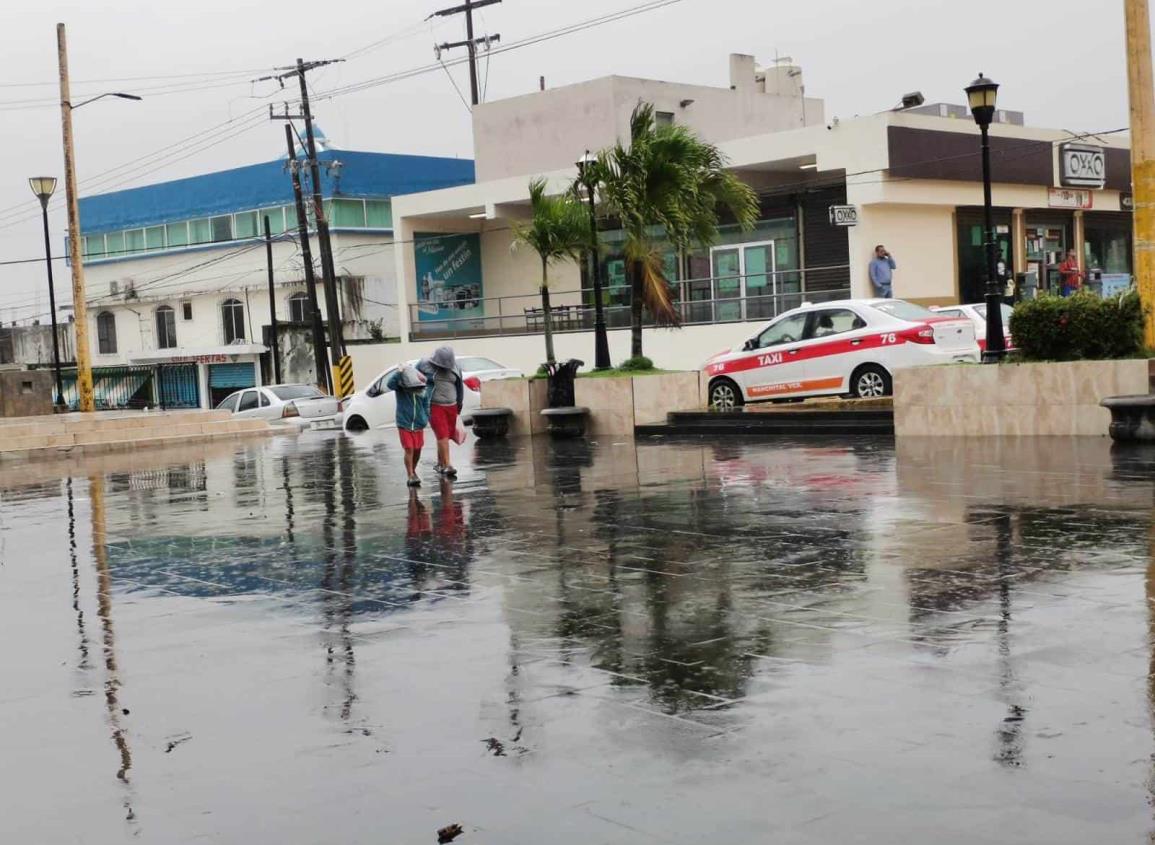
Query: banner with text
[448, 276]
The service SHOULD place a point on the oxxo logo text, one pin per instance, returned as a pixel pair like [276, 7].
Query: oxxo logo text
[1083, 165]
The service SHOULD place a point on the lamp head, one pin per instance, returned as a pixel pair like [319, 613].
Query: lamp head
[981, 96]
[126, 96]
[44, 187]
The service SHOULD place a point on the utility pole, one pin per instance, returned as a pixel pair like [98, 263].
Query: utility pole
[320, 359]
[328, 270]
[75, 254]
[272, 303]
[470, 43]
[1142, 92]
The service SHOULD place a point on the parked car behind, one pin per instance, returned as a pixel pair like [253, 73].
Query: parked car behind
[977, 314]
[300, 405]
[375, 407]
[852, 346]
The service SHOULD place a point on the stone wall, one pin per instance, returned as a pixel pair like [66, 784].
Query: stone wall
[1044, 399]
[26, 393]
[616, 404]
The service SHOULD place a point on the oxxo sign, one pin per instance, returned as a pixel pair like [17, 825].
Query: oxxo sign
[1082, 166]
[843, 215]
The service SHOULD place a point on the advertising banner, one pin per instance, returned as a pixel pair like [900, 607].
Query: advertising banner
[448, 276]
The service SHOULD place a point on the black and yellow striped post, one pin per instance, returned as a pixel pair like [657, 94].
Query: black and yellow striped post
[343, 377]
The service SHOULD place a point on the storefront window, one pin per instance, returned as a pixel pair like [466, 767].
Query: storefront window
[1107, 245]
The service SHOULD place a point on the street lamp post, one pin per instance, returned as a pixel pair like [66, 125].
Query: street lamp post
[44, 187]
[601, 340]
[86, 400]
[981, 95]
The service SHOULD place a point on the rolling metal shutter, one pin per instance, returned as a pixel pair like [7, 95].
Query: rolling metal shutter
[232, 376]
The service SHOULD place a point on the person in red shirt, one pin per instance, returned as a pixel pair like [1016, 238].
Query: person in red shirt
[1070, 276]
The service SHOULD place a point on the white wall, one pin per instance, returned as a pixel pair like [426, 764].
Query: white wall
[671, 349]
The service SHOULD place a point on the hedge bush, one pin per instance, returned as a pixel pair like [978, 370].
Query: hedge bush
[1083, 326]
[637, 364]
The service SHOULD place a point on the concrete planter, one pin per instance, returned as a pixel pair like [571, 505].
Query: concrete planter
[615, 405]
[1043, 399]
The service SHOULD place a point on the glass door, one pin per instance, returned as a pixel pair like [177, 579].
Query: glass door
[744, 273]
[726, 268]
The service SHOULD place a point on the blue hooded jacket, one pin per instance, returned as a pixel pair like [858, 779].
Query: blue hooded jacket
[412, 403]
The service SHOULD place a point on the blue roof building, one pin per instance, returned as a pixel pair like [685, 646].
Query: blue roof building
[228, 205]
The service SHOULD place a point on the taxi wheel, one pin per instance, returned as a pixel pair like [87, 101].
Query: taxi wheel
[870, 382]
[725, 395]
[356, 424]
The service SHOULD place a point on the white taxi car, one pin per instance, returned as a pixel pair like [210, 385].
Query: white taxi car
[847, 347]
[977, 314]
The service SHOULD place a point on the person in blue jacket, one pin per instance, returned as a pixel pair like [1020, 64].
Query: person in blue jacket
[414, 392]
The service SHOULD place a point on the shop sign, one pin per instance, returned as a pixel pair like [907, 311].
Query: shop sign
[1082, 166]
[1067, 198]
[843, 215]
[1126, 202]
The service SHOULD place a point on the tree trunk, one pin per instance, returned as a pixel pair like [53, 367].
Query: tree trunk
[635, 309]
[547, 315]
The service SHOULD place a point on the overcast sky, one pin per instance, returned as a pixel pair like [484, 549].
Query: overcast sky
[1060, 61]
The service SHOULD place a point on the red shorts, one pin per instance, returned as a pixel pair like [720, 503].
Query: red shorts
[411, 439]
[443, 420]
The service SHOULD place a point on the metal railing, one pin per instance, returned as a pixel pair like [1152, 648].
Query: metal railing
[696, 300]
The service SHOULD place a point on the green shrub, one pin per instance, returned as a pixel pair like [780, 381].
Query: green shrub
[633, 365]
[1083, 326]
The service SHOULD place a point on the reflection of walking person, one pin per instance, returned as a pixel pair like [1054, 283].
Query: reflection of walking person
[413, 391]
[447, 397]
[882, 269]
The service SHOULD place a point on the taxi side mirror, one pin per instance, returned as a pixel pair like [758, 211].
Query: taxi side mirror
[373, 391]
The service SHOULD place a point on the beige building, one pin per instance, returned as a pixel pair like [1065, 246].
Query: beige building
[911, 178]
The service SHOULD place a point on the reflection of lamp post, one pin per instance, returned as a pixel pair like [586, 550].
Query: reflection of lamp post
[601, 341]
[43, 187]
[981, 94]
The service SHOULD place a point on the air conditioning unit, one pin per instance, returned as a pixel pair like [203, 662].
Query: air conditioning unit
[130, 289]
[113, 288]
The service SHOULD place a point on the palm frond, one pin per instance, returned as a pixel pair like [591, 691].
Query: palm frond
[656, 291]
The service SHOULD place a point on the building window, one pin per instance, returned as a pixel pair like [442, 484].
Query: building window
[134, 240]
[177, 234]
[663, 118]
[222, 228]
[299, 308]
[94, 246]
[165, 328]
[349, 214]
[276, 220]
[154, 237]
[233, 314]
[378, 214]
[115, 243]
[186, 310]
[245, 225]
[106, 333]
[200, 231]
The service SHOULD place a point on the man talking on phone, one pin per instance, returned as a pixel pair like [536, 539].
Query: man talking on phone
[882, 268]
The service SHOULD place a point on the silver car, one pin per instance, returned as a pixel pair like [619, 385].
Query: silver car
[300, 405]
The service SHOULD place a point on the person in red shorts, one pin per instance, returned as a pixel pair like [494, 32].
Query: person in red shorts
[413, 391]
[446, 399]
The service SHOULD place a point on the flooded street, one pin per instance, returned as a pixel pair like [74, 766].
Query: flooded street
[787, 642]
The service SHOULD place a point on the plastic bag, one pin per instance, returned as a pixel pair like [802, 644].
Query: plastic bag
[459, 431]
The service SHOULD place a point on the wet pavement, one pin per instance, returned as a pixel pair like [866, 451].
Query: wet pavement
[803, 642]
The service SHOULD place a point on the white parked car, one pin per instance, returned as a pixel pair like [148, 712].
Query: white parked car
[977, 314]
[300, 405]
[848, 347]
[375, 406]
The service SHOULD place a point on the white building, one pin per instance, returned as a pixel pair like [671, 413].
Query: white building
[177, 273]
[913, 175]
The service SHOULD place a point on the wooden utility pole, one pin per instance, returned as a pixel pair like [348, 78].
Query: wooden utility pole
[75, 253]
[272, 303]
[1142, 95]
[470, 43]
[320, 359]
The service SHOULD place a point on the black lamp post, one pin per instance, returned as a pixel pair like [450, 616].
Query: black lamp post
[981, 94]
[601, 340]
[44, 187]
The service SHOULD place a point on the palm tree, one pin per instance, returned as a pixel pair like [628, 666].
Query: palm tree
[666, 186]
[558, 231]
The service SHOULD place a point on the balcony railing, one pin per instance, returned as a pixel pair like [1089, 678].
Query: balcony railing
[696, 300]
